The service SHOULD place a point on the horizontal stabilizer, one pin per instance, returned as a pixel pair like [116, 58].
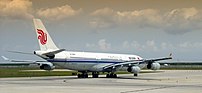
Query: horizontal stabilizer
[5, 58]
[20, 52]
[53, 52]
[23, 61]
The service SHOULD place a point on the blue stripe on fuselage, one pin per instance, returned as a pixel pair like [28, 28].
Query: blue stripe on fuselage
[86, 61]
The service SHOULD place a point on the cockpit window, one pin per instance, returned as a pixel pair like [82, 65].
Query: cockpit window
[132, 58]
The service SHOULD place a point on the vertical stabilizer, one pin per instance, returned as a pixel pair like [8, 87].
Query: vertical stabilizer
[45, 41]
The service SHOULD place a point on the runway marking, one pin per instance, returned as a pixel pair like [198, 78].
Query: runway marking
[148, 89]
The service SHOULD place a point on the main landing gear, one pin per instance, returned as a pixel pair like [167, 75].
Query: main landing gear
[95, 74]
[111, 75]
[82, 75]
[85, 75]
[135, 75]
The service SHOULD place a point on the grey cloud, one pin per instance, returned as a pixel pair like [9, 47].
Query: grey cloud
[176, 21]
[15, 9]
[102, 44]
[151, 45]
[58, 13]
[23, 9]
[105, 19]
[180, 21]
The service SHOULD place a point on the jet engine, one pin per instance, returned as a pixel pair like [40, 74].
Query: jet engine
[47, 66]
[154, 66]
[134, 69]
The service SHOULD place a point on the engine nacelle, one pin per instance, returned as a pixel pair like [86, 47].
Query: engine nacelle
[154, 66]
[134, 69]
[47, 66]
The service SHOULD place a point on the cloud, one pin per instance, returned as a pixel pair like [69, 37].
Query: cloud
[180, 21]
[183, 13]
[23, 9]
[148, 45]
[105, 19]
[190, 45]
[102, 44]
[103, 12]
[176, 21]
[165, 46]
[16, 9]
[151, 45]
[58, 13]
[112, 17]
[98, 23]
[139, 18]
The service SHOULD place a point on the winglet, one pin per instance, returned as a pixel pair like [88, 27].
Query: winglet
[170, 55]
[5, 58]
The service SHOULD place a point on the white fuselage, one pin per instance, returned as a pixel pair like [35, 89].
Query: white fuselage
[88, 61]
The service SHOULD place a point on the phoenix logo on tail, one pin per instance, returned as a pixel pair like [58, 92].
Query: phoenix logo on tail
[42, 36]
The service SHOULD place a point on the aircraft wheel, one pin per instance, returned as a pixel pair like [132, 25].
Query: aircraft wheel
[95, 74]
[135, 75]
[112, 75]
[79, 76]
[83, 75]
[107, 76]
[115, 76]
[86, 76]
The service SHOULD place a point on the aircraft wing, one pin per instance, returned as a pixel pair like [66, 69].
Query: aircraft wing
[124, 64]
[133, 63]
[19, 62]
[16, 63]
[159, 59]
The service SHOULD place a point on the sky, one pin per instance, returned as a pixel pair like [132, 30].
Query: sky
[149, 28]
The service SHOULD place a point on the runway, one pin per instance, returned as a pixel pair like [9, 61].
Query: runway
[169, 81]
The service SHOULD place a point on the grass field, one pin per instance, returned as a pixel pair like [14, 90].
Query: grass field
[18, 72]
[22, 72]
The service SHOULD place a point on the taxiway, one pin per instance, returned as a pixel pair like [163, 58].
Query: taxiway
[169, 81]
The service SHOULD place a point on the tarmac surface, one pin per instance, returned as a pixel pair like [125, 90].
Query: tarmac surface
[169, 81]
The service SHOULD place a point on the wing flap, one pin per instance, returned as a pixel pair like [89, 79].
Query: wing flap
[124, 64]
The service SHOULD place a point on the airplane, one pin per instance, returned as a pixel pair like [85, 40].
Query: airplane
[85, 62]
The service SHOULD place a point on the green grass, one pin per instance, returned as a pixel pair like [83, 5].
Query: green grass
[183, 68]
[20, 72]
